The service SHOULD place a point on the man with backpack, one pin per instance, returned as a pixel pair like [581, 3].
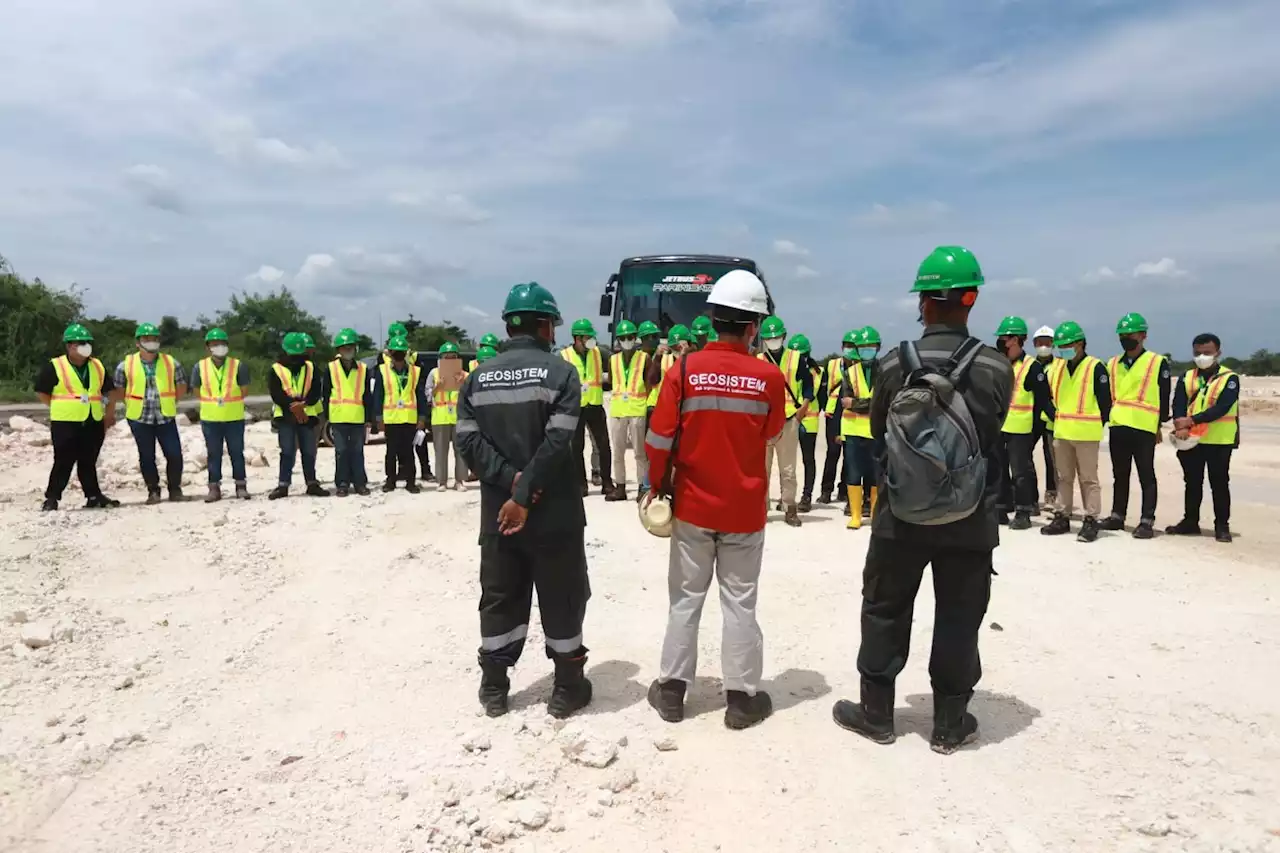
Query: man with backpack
[940, 400]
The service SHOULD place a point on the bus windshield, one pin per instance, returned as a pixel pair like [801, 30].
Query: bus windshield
[667, 293]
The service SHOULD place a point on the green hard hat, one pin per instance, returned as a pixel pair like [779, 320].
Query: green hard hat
[648, 327]
[679, 332]
[294, 343]
[625, 328]
[76, 333]
[1012, 326]
[868, 336]
[448, 348]
[346, 338]
[397, 330]
[948, 267]
[531, 298]
[398, 344]
[1068, 333]
[490, 340]
[485, 352]
[1131, 323]
[851, 337]
[214, 335]
[799, 343]
[146, 330]
[308, 340]
[582, 329]
[773, 327]
[701, 325]
[712, 336]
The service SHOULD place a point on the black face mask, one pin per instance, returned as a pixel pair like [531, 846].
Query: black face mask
[1130, 343]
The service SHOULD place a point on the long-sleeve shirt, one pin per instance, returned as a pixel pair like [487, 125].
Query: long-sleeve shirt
[1229, 397]
[1037, 382]
[860, 404]
[804, 372]
[283, 398]
[366, 394]
[1162, 369]
[379, 393]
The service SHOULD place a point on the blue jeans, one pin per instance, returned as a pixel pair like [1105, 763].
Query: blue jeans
[294, 437]
[859, 462]
[216, 434]
[147, 436]
[348, 452]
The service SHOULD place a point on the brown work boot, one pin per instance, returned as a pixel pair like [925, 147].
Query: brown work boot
[792, 518]
[215, 493]
[619, 493]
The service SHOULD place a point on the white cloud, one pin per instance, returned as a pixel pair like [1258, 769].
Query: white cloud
[1098, 276]
[236, 139]
[804, 272]
[1163, 268]
[473, 311]
[153, 185]
[908, 215]
[789, 249]
[1023, 284]
[452, 207]
[266, 274]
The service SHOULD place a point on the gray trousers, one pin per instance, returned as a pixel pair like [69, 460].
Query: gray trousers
[442, 438]
[734, 559]
[624, 432]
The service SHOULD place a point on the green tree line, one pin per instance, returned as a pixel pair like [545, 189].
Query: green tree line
[33, 316]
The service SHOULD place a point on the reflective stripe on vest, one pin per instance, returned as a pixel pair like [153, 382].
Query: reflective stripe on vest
[1203, 395]
[590, 374]
[667, 360]
[1134, 393]
[135, 386]
[399, 402]
[833, 385]
[812, 422]
[221, 397]
[71, 401]
[857, 424]
[346, 393]
[298, 388]
[1022, 403]
[444, 404]
[789, 366]
[1079, 418]
[1051, 373]
[629, 397]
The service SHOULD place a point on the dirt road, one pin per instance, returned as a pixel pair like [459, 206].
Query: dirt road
[300, 676]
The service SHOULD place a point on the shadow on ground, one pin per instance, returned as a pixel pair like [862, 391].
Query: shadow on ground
[787, 689]
[1000, 716]
[613, 688]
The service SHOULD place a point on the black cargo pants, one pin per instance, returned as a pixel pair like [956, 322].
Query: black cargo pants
[961, 590]
[1041, 433]
[594, 418]
[1133, 448]
[511, 567]
[835, 454]
[1017, 473]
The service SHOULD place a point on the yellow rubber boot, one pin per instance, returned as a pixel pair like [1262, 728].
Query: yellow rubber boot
[874, 495]
[855, 508]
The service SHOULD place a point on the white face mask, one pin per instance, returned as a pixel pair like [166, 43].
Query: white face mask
[627, 345]
[589, 343]
[774, 344]
[1204, 362]
[84, 350]
[151, 346]
[218, 351]
[1044, 352]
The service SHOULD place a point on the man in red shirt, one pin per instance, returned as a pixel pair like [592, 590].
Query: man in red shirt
[717, 409]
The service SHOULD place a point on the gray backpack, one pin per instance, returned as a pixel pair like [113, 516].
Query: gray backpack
[935, 472]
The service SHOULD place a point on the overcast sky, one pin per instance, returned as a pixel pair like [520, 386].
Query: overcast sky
[1099, 156]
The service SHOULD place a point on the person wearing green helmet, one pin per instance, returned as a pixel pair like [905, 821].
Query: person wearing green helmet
[349, 401]
[1082, 402]
[810, 424]
[679, 341]
[1141, 386]
[489, 340]
[700, 331]
[832, 378]
[74, 386]
[856, 391]
[797, 374]
[584, 354]
[650, 341]
[628, 407]
[295, 394]
[400, 409]
[150, 383]
[1031, 399]
[219, 382]
[960, 543]
[516, 423]
[442, 384]
[413, 357]
[485, 352]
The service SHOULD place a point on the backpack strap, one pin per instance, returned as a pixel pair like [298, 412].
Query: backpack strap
[962, 359]
[910, 357]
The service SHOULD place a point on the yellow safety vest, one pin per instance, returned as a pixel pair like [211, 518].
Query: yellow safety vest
[857, 424]
[1079, 418]
[71, 401]
[444, 404]
[629, 398]
[667, 360]
[221, 397]
[834, 378]
[812, 421]
[399, 403]
[297, 388]
[1021, 416]
[790, 367]
[346, 392]
[1202, 395]
[590, 374]
[1135, 393]
[135, 386]
[1051, 374]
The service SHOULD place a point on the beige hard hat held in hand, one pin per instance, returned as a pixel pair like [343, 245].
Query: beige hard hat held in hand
[655, 515]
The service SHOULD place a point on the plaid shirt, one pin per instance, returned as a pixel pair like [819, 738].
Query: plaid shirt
[151, 397]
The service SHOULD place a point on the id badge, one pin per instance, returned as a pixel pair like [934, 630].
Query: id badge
[219, 401]
[399, 404]
[624, 395]
[84, 398]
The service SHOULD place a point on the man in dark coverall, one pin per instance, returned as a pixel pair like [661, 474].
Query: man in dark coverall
[960, 552]
[517, 415]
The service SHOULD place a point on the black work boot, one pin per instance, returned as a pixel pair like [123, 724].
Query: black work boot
[389, 486]
[1184, 528]
[1144, 530]
[572, 690]
[277, 493]
[1002, 518]
[494, 687]
[1112, 522]
[953, 725]
[153, 495]
[825, 497]
[619, 493]
[1088, 530]
[316, 490]
[667, 698]
[805, 505]
[1222, 533]
[176, 495]
[49, 505]
[872, 717]
[1060, 525]
[743, 711]
[1021, 520]
[101, 502]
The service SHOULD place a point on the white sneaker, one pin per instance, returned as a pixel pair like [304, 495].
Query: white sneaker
[459, 486]
[442, 488]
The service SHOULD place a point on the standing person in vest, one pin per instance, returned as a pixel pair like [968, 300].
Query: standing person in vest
[350, 415]
[1206, 404]
[320, 372]
[652, 345]
[716, 411]
[810, 424]
[219, 382]
[1082, 402]
[1043, 429]
[701, 331]
[151, 383]
[1140, 382]
[960, 552]
[73, 386]
[489, 340]
[517, 417]
[400, 406]
[441, 392]
[295, 392]
[857, 389]
[584, 355]
[396, 331]
[832, 379]
[799, 391]
[628, 404]
[1031, 399]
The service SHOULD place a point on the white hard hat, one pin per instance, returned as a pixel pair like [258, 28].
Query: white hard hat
[1043, 332]
[655, 515]
[742, 290]
[1185, 443]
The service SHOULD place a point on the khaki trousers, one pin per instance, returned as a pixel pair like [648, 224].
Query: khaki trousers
[1077, 460]
[624, 431]
[786, 448]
